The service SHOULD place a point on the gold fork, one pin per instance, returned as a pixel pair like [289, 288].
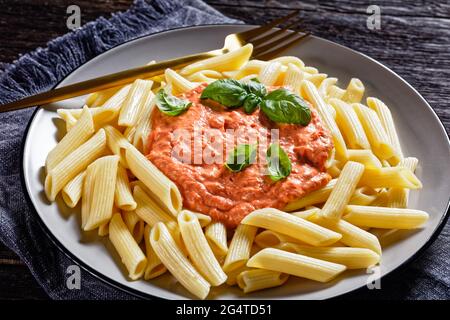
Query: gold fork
[267, 43]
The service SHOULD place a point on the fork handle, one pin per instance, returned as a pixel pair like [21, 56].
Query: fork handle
[106, 82]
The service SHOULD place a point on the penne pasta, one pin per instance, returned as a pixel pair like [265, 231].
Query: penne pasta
[198, 249]
[216, 234]
[292, 226]
[102, 199]
[254, 280]
[343, 191]
[73, 164]
[296, 264]
[229, 61]
[386, 218]
[293, 78]
[269, 238]
[240, 246]
[352, 236]
[375, 132]
[179, 83]
[148, 210]
[174, 260]
[365, 157]
[123, 197]
[363, 196]
[390, 177]
[354, 91]
[270, 73]
[203, 219]
[155, 267]
[134, 224]
[117, 143]
[385, 116]
[352, 258]
[164, 190]
[129, 251]
[68, 118]
[134, 102]
[79, 134]
[312, 198]
[310, 92]
[71, 193]
[350, 126]
[143, 127]
[398, 197]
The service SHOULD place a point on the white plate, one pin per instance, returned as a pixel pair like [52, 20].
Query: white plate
[421, 133]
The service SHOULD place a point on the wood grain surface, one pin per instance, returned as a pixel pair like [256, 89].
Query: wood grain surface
[414, 41]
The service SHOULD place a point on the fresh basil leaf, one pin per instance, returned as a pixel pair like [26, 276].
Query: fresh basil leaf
[171, 105]
[278, 163]
[256, 88]
[228, 92]
[284, 106]
[241, 157]
[251, 103]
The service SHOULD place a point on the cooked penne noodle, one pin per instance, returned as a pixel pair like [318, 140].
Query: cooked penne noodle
[390, 177]
[178, 82]
[216, 234]
[292, 226]
[135, 224]
[155, 267]
[207, 76]
[174, 260]
[229, 61]
[117, 143]
[87, 194]
[354, 91]
[71, 193]
[103, 230]
[398, 197]
[198, 249]
[258, 279]
[111, 108]
[233, 274]
[386, 218]
[286, 60]
[381, 199]
[350, 126]
[129, 251]
[325, 87]
[123, 197]
[134, 102]
[143, 127]
[335, 92]
[203, 219]
[312, 198]
[98, 98]
[316, 78]
[385, 116]
[129, 133]
[363, 196]
[269, 238]
[148, 210]
[352, 236]
[101, 207]
[366, 157]
[293, 78]
[270, 73]
[308, 212]
[295, 264]
[375, 132]
[164, 190]
[79, 134]
[352, 258]
[73, 164]
[240, 246]
[251, 67]
[343, 191]
[68, 118]
[309, 91]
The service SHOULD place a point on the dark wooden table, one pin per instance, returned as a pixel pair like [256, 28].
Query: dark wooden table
[414, 41]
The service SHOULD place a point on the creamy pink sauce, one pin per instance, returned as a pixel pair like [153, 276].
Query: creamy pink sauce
[228, 196]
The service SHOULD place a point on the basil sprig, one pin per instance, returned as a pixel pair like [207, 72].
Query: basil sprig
[280, 105]
[171, 105]
[241, 157]
[278, 163]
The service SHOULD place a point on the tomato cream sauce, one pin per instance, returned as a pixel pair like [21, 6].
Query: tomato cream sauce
[211, 188]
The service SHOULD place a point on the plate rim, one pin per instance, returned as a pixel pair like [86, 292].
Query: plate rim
[139, 294]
